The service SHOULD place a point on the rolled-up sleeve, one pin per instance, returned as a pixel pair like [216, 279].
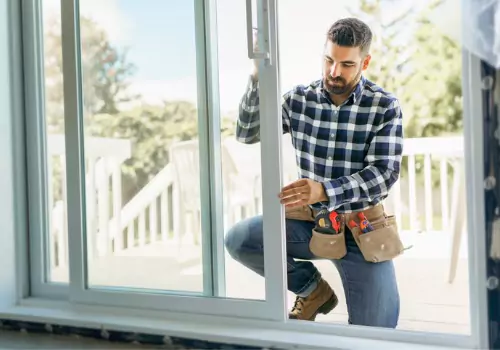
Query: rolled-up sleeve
[248, 123]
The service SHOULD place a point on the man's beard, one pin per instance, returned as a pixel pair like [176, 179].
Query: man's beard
[338, 85]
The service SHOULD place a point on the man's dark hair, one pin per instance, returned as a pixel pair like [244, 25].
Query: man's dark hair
[351, 32]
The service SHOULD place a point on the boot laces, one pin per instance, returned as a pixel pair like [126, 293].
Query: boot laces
[298, 305]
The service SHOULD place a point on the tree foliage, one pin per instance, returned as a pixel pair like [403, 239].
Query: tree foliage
[105, 73]
[109, 107]
[434, 89]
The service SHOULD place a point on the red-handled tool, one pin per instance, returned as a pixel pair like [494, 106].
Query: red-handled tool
[352, 224]
[327, 222]
[364, 224]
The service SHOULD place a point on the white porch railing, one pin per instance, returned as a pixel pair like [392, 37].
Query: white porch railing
[420, 200]
[104, 158]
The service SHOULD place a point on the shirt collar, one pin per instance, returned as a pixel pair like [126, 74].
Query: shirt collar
[355, 95]
[358, 90]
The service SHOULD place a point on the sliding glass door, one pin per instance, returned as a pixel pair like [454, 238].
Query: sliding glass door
[146, 179]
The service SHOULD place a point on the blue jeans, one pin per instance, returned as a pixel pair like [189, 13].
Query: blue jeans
[370, 288]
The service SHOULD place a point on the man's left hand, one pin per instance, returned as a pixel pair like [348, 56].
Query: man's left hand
[302, 192]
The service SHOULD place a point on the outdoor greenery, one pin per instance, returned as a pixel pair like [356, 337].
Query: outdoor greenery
[422, 68]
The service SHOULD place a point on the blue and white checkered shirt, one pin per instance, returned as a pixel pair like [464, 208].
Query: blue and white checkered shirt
[354, 149]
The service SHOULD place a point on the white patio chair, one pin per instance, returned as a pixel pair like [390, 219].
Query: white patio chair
[237, 189]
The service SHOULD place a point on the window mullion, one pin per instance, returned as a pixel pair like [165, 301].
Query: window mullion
[74, 137]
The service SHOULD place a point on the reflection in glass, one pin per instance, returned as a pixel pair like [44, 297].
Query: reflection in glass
[241, 162]
[141, 145]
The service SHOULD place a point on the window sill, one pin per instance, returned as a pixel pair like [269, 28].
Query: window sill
[220, 330]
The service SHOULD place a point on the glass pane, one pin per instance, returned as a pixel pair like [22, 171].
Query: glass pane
[140, 88]
[57, 239]
[414, 60]
[241, 157]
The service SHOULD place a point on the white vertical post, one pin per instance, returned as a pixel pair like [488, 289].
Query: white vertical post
[142, 228]
[445, 212]
[117, 205]
[103, 205]
[74, 138]
[412, 192]
[428, 192]
[176, 212]
[459, 210]
[153, 223]
[271, 129]
[397, 203]
[164, 213]
[131, 234]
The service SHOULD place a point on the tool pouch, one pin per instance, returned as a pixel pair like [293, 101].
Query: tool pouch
[381, 244]
[328, 246]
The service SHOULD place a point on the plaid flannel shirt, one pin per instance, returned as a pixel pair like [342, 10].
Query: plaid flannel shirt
[354, 149]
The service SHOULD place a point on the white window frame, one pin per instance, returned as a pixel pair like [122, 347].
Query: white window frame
[186, 309]
[36, 153]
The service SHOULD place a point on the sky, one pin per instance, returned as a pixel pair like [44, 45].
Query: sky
[160, 38]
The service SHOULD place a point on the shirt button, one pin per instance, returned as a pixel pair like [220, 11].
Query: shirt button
[332, 135]
[330, 158]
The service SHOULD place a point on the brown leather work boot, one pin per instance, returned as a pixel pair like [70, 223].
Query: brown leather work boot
[321, 300]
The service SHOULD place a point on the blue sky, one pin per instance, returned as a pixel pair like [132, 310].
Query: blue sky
[162, 37]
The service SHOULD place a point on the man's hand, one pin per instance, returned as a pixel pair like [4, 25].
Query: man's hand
[302, 192]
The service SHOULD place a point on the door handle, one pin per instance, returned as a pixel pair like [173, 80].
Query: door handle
[265, 53]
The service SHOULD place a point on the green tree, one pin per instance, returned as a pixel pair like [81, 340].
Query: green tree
[435, 84]
[105, 72]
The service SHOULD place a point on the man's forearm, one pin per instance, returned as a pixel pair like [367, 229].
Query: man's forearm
[367, 185]
[248, 124]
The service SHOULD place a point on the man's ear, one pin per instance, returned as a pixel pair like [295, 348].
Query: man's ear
[366, 61]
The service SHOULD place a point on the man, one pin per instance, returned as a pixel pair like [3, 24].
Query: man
[348, 137]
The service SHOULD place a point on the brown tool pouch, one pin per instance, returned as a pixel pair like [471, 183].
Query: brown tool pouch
[323, 245]
[381, 244]
[328, 246]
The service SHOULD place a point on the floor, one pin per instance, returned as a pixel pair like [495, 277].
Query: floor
[19, 340]
[428, 302]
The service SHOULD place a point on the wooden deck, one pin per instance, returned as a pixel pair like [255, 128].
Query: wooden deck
[428, 302]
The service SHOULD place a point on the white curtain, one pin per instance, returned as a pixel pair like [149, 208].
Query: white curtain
[475, 24]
